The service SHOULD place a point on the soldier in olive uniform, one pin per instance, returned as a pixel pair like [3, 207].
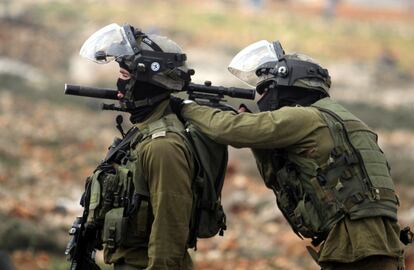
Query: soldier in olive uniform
[158, 162]
[331, 179]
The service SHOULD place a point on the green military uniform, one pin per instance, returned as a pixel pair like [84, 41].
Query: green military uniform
[167, 167]
[141, 195]
[303, 132]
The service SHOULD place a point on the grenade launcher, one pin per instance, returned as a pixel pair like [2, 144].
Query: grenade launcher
[206, 94]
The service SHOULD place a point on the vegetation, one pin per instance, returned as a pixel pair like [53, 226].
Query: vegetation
[391, 119]
[230, 27]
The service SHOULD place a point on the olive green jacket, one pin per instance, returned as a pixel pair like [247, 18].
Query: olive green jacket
[167, 166]
[302, 131]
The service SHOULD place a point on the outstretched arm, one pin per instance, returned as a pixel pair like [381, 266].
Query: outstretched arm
[275, 129]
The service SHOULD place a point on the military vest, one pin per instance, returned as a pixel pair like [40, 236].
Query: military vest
[355, 180]
[119, 200]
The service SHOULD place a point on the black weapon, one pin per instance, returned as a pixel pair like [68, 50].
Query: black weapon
[81, 249]
[94, 92]
[406, 236]
[206, 94]
[213, 96]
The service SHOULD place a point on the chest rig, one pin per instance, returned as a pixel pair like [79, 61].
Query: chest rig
[355, 181]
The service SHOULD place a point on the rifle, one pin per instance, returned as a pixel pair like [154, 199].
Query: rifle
[81, 248]
[206, 94]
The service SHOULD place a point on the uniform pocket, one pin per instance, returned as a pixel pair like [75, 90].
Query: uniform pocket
[307, 217]
[114, 230]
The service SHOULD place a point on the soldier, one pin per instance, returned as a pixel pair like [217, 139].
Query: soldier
[331, 180]
[150, 230]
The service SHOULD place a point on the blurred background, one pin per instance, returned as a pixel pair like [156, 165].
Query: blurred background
[50, 142]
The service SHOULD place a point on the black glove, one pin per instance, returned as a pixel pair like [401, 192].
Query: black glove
[176, 105]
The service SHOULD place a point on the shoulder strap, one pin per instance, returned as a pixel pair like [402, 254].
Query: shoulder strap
[123, 145]
[168, 123]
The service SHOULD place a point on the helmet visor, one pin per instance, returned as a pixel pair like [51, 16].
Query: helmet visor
[246, 62]
[106, 44]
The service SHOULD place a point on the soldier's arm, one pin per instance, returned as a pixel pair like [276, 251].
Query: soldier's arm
[275, 129]
[168, 167]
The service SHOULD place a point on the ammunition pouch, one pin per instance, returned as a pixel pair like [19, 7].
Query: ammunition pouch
[123, 215]
[126, 231]
[114, 230]
[110, 188]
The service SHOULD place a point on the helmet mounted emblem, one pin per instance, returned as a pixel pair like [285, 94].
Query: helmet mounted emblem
[155, 66]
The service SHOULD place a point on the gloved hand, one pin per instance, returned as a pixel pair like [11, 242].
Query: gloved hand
[176, 105]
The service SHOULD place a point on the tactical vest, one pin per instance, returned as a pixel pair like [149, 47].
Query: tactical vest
[119, 200]
[355, 181]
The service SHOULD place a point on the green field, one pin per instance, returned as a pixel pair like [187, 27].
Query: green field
[230, 28]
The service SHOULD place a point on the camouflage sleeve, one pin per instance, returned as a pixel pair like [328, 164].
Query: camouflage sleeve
[167, 165]
[275, 129]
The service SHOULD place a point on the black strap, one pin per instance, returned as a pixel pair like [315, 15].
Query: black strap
[122, 146]
[152, 100]
[151, 44]
[128, 29]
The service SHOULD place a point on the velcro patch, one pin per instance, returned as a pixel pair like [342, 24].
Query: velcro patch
[158, 134]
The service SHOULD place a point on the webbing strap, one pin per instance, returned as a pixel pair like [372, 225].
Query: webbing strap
[152, 100]
[347, 141]
[168, 123]
[381, 194]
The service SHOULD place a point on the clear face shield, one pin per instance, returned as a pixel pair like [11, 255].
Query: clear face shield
[247, 61]
[106, 45]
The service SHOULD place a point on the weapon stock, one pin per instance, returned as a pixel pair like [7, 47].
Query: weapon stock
[81, 248]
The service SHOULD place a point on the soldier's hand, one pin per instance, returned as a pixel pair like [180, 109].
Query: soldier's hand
[176, 104]
[244, 108]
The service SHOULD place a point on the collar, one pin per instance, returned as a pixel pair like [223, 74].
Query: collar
[158, 112]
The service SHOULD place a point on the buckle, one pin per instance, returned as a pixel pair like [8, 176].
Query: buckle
[375, 194]
[357, 198]
[111, 239]
[351, 159]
